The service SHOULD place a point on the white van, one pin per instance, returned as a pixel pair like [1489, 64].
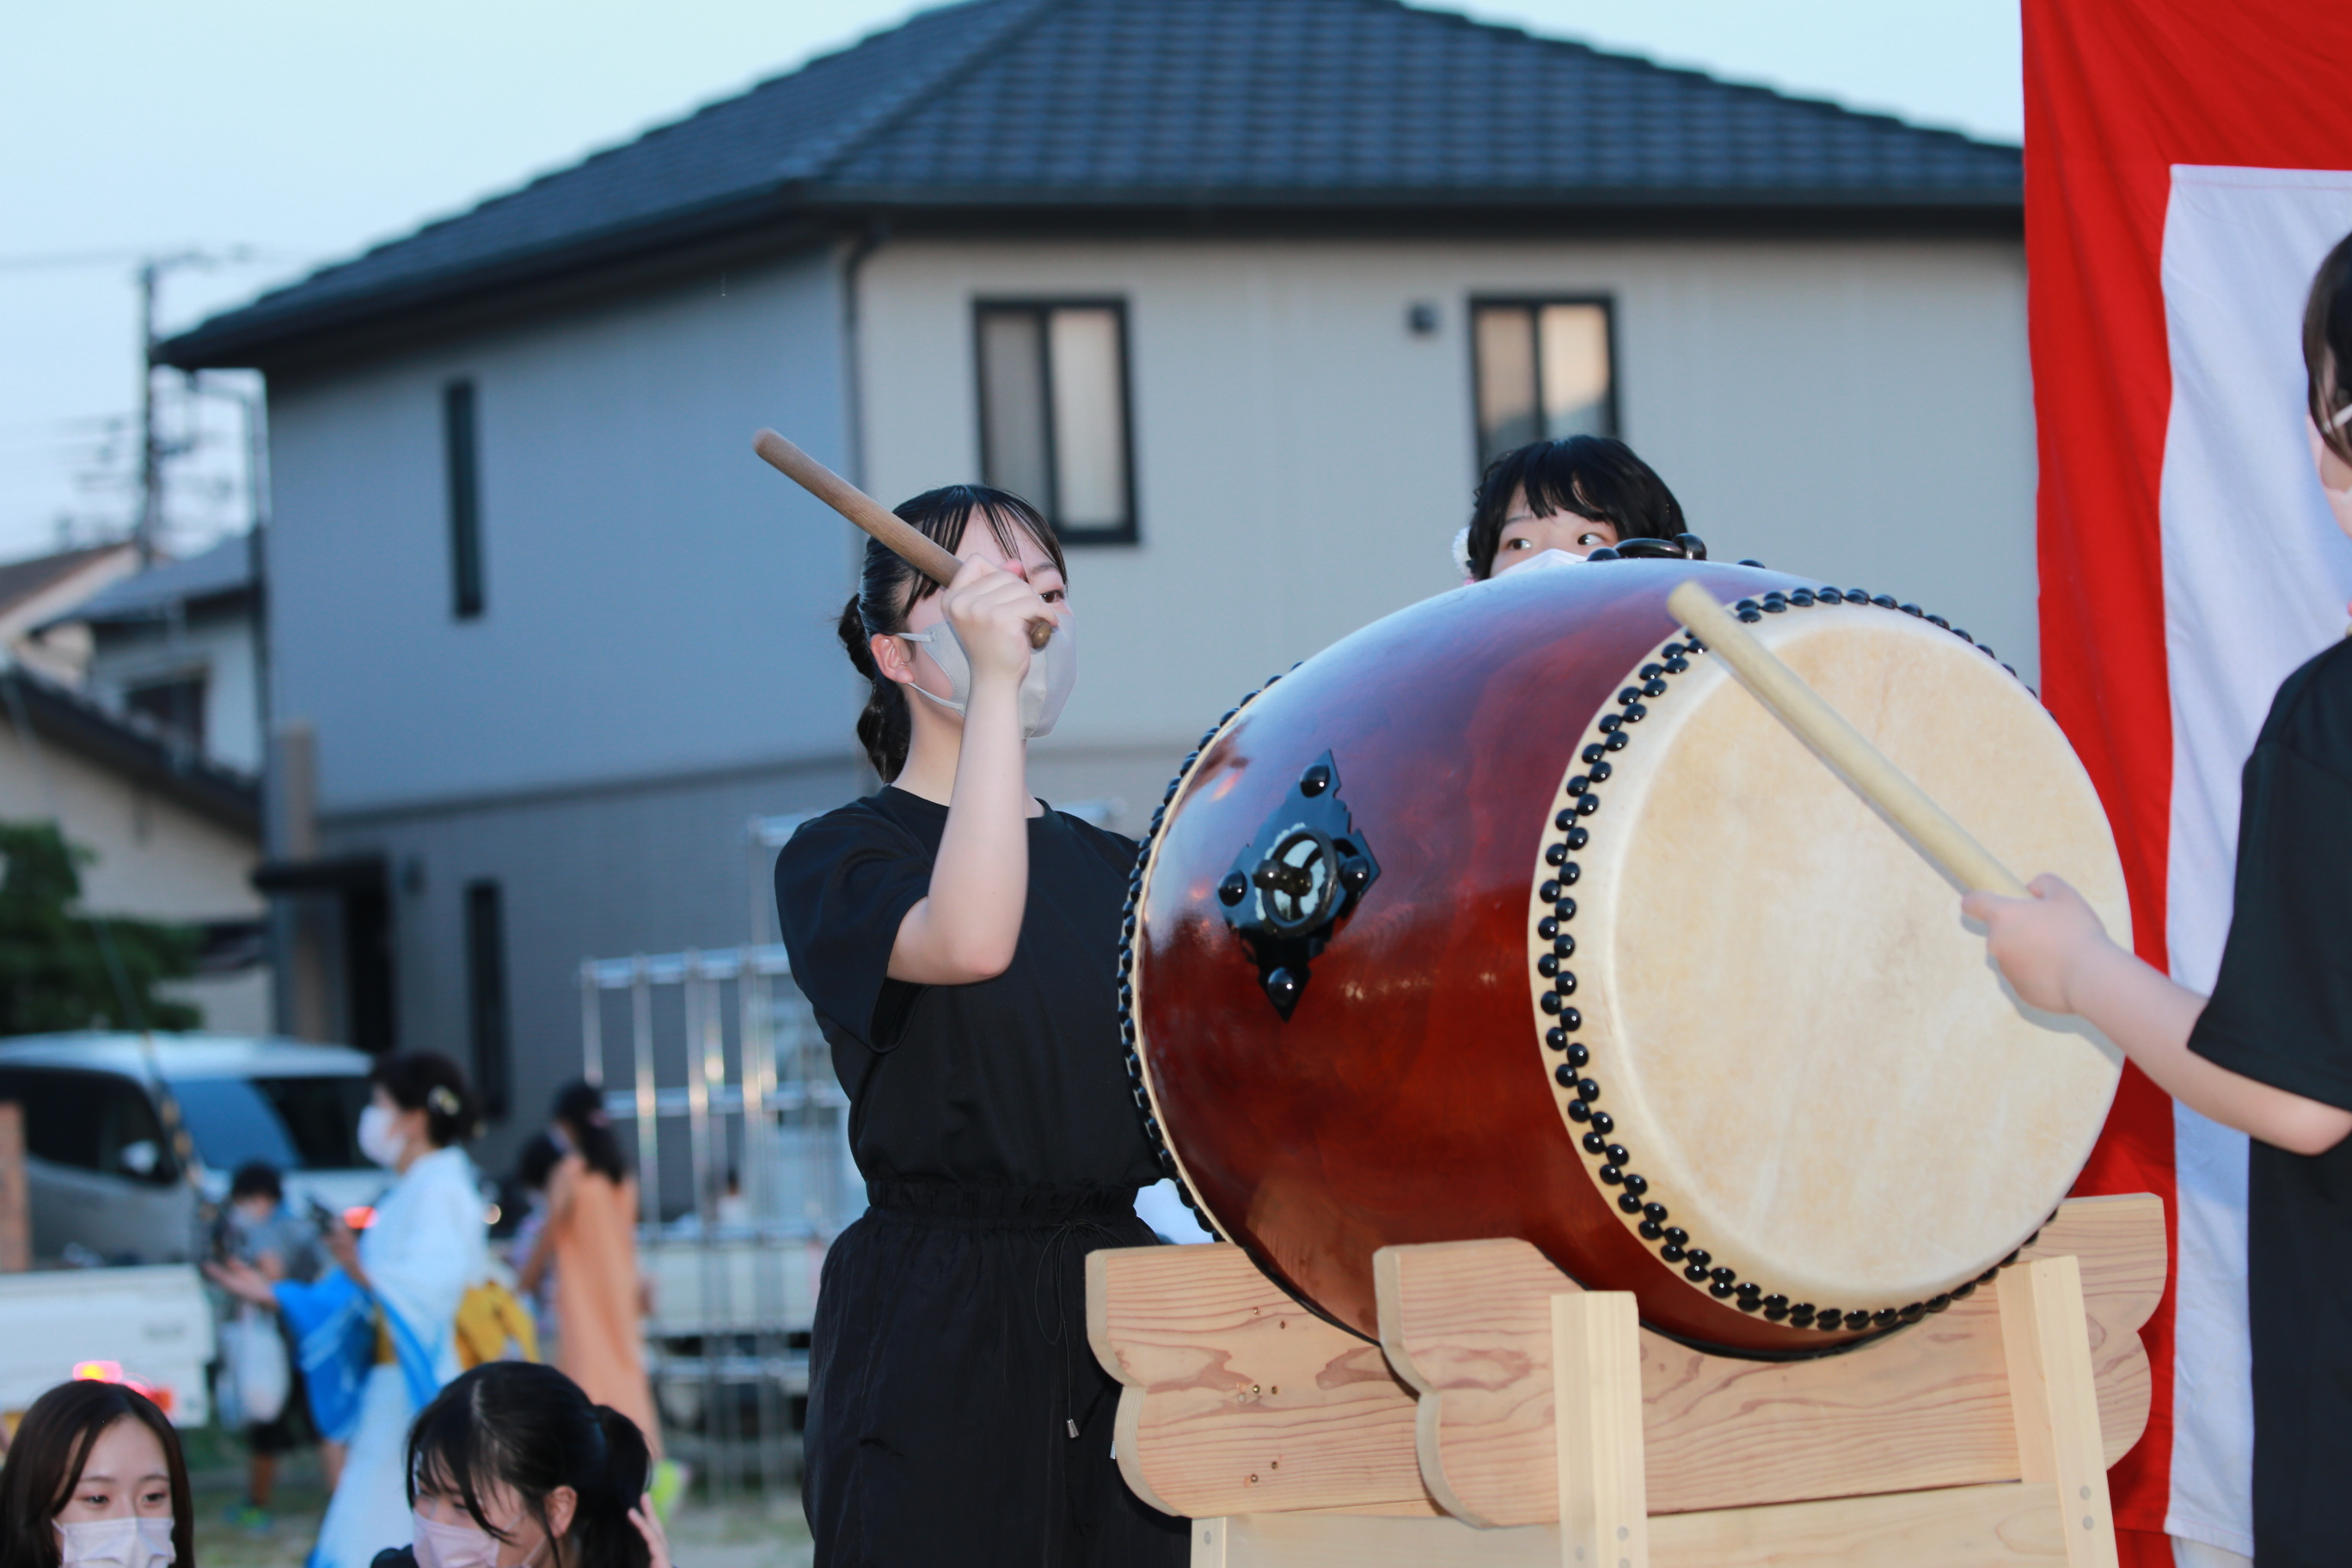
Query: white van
[104, 1182]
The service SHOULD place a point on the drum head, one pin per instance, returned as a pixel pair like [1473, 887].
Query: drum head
[1804, 1054]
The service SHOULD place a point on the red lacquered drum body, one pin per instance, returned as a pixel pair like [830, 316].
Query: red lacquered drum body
[1693, 1021]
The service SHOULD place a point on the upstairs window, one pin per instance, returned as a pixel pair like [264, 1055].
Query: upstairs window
[1054, 414]
[486, 997]
[460, 447]
[174, 706]
[1544, 371]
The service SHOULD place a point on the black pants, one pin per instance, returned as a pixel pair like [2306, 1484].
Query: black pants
[948, 1369]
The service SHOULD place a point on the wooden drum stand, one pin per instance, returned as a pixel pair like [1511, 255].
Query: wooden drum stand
[1506, 1418]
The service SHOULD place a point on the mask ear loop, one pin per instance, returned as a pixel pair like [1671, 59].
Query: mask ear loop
[926, 638]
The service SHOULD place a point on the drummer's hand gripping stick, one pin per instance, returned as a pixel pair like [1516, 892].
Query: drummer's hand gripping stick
[917, 549]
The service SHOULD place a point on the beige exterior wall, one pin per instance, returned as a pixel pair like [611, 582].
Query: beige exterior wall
[156, 859]
[1858, 411]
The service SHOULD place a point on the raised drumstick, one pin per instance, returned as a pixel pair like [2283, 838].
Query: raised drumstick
[912, 545]
[1866, 769]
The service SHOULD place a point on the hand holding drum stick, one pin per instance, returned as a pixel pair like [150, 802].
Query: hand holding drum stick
[917, 549]
[1866, 769]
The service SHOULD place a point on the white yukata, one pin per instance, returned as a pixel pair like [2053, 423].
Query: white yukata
[425, 1248]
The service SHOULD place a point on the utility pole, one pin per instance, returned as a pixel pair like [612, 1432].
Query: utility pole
[150, 527]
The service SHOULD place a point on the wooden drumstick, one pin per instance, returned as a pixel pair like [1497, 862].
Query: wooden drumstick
[1866, 769]
[911, 544]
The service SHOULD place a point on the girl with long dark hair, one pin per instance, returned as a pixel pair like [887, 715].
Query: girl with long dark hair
[95, 1475]
[513, 1465]
[958, 939]
[590, 1240]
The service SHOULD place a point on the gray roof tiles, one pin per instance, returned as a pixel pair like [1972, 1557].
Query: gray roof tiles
[1267, 103]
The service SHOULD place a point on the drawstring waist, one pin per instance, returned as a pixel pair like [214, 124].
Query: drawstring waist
[967, 1206]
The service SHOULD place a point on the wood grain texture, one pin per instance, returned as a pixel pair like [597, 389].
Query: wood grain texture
[1467, 1325]
[2054, 1404]
[15, 1206]
[1237, 1399]
[2006, 1525]
[1596, 1349]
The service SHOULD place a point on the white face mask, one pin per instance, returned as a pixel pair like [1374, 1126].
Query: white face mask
[377, 1141]
[115, 1543]
[2339, 501]
[1544, 560]
[1053, 671]
[440, 1545]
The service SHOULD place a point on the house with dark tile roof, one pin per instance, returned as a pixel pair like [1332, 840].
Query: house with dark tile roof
[1242, 292]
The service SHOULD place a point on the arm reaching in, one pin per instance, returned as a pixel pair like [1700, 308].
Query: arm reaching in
[966, 928]
[2060, 959]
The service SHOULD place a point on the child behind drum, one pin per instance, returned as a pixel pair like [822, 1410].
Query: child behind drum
[2270, 1052]
[1575, 495]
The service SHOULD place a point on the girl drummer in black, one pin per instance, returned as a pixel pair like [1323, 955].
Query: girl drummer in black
[2270, 1052]
[958, 940]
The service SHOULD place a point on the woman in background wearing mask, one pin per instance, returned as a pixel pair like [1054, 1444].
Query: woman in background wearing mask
[958, 939]
[95, 1478]
[513, 1466]
[378, 1335]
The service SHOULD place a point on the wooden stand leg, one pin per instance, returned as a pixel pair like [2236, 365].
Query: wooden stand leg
[1596, 1358]
[2055, 1404]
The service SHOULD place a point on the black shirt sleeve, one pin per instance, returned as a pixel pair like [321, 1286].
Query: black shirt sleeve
[2282, 1006]
[843, 883]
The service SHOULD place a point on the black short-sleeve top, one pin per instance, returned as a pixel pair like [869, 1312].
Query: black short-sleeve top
[1012, 1081]
[2281, 1013]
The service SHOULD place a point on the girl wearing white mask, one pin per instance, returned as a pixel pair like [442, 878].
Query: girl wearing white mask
[511, 1466]
[958, 939]
[95, 1478]
[377, 1335]
[2270, 1052]
[1559, 501]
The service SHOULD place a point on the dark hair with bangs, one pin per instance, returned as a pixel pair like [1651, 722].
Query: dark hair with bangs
[2327, 346]
[46, 1459]
[888, 587]
[525, 1426]
[431, 1083]
[1595, 476]
[580, 1111]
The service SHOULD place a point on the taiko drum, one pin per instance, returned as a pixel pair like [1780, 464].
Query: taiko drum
[1513, 915]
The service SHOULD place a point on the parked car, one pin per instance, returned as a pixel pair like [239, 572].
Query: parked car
[104, 1181]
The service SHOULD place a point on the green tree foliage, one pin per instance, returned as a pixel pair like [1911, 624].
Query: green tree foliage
[55, 971]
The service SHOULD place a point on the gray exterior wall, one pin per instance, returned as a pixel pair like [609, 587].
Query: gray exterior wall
[1856, 409]
[655, 664]
[658, 601]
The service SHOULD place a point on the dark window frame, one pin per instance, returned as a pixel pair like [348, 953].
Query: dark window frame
[1534, 303]
[461, 453]
[1042, 306]
[490, 1028]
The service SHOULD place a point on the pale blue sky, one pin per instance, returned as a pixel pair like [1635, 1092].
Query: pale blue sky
[307, 128]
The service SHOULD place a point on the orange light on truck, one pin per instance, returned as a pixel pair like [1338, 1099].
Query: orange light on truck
[111, 1371]
[359, 1217]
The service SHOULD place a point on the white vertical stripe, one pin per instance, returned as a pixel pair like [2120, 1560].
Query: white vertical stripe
[2255, 577]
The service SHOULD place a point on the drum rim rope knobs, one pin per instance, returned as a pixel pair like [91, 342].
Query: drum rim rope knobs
[1370, 1126]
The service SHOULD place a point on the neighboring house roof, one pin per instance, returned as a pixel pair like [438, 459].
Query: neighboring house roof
[1264, 111]
[61, 716]
[36, 590]
[222, 572]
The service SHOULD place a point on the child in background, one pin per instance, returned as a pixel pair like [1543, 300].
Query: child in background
[1575, 496]
[96, 1477]
[511, 1463]
[533, 1166]
[259, 1230]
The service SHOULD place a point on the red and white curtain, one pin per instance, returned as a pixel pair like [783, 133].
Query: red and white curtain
[2184, 175]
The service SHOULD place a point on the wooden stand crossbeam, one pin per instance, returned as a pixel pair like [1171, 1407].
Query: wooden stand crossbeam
[1547, 1416]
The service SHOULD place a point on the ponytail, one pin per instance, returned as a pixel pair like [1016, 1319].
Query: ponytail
[888, 588]
[527, 1428]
